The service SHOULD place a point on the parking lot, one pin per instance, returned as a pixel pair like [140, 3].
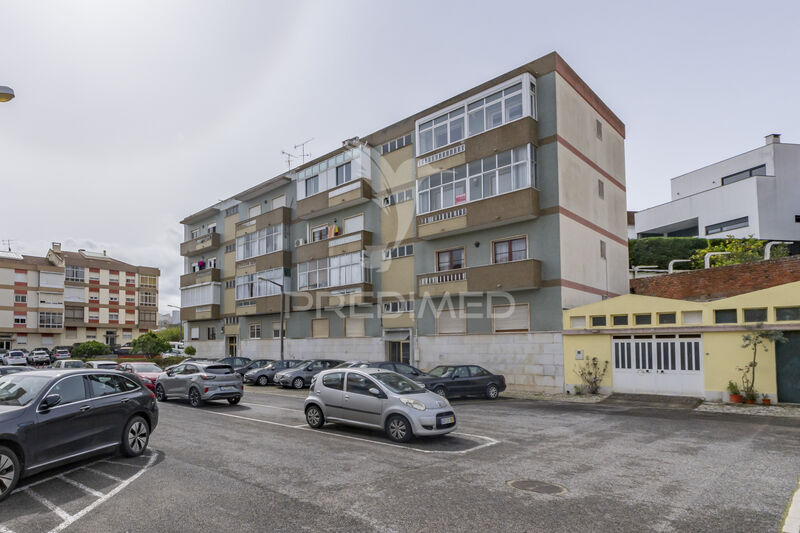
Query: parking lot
[257, 466]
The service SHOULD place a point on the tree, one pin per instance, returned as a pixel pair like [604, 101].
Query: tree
[659, 251]
[150, 343]
[739, 251]
[173, 334]
[91, 349]
[754, 339]
[190, 350]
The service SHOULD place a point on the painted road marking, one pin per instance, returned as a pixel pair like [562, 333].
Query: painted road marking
[47, 503]
[109, 476]
[791, 523]
[84, 488]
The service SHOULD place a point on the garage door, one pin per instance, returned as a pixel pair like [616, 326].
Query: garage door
[659, 364]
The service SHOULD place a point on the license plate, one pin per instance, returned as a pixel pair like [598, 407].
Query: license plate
[227, 388]
[447, 420]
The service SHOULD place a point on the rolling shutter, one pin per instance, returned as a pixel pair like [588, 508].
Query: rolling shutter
[511, 318]
[451, 322]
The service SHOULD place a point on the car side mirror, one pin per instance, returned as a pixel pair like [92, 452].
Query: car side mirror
[51, 400]
[374, 391]
[170, 373]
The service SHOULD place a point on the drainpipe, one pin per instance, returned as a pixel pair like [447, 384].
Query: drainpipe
[768, 248]
[709, 255]
[670, 268]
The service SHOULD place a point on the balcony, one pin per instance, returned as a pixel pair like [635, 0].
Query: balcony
[201, 276]
[200, 312]
[495, 211]
[341, 244]
[260, 263]
[280, 215]
[358, 294]
[512, 276]
[202, 244]
[352, 193]
[262, 306]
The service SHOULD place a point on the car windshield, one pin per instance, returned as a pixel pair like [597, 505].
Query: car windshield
[300, 363]
[441, 371]
[20, 389]
[259, 364]
[146, 367]
[398, 384]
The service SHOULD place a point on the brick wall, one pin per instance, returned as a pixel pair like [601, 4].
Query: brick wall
[720, 282]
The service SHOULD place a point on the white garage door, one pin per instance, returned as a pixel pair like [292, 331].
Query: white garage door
[659, 364]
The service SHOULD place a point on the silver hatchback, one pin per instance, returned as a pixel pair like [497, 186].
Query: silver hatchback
[378, 399]
[198, 382]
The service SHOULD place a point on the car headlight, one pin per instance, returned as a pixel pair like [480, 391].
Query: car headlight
[416, 404]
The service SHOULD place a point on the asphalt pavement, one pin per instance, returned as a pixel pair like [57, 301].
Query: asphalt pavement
[592, 467]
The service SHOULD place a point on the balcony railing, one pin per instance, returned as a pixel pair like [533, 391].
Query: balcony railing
[201, 244]
[206, 275]
[511, 276]
[344, 244]
[200, 312]
[352, 193]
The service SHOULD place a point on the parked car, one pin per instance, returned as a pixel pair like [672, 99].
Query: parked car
[108, 365]
[379, 399]
[6, 370]
[463, 380]
[69, 363]
[38, 357]
[60, 354]
[15, 357]
[300, 375]
[146, 372]
[401, 368]
[125, 349]
[53, 417]
[252, 365]
[235, 362]
[199, 382]
[266, 374]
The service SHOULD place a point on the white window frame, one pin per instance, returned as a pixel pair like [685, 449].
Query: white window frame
[255, 327]
[249, 286]
[262, 242]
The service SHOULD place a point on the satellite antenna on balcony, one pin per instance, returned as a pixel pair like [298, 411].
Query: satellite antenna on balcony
[302, 147]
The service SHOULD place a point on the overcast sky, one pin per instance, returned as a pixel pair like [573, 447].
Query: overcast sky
[123, 108]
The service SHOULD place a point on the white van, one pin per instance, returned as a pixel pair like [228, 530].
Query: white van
[177, 345]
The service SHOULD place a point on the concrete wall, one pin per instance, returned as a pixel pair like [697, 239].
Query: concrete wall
[710, 177]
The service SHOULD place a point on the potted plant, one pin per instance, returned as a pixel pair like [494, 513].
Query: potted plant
[754, 339]
[765, 399]
[750, 397]
[733, 390]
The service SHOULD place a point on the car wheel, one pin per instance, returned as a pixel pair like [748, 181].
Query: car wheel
[9, 471]
[440, 390]
[298, 383]
[161, 396]
[234, 400]
[398, 428]
[136, 437]
[492, 392]
[262, 380]
[314, 417]
[194, 398]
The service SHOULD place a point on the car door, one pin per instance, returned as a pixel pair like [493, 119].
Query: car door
[111, 396]
[359, 404]
[67, 428]
[331, 390]
[311, 370]
[480, 379]
[186, 378]
[461, 382]
[169, 378]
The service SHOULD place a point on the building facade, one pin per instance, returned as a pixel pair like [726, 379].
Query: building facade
[755, 193]
[456, 234]
[70, 297]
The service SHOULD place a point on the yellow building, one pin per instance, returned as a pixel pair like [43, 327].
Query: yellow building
[659, 345]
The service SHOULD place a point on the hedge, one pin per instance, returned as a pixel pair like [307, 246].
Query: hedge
[659, 251]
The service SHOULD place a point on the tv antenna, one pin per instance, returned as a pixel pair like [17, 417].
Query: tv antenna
[302, 147]
[289, 157]
[6, 243]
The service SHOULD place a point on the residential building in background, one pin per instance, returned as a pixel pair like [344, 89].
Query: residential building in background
[755, 193]
[70, 297]
[171, 319]
[456, 234]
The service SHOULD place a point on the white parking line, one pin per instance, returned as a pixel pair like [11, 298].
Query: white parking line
[4, 529]
[791, 522]
[47, 503]
[81, 486]
[100, 472]
[293, 409]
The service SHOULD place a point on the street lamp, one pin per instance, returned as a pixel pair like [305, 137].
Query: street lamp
[6, 93]
[282, 300]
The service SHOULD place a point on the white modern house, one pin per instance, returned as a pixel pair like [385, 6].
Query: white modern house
[755, 193]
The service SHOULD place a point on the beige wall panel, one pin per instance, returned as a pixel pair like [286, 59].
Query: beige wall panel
[398, 276]
[581, 262]
[229, 300]
[397, 222]
[229, 265]
[399, 320]
[396, 169]
[229, 228]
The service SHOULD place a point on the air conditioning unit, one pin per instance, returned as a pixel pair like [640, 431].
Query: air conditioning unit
[299, 242]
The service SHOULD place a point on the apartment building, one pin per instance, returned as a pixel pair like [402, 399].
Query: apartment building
[456, 234]
[755, 193]
[69, 297]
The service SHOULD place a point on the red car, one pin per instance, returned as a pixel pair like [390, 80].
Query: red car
[146, 372]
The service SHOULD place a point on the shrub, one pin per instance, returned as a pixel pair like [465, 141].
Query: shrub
[738, 250]
[190, 350]
[660, 251]
[174, 334]
[150, 343]
[592, 374]
[90, 349]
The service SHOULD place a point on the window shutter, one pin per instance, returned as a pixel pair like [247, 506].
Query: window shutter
[451, 321]
[319, 328]
[353, 224]
[511, 318]
[354, 327]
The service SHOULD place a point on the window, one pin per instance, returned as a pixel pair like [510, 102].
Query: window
[601, 189]
[345, 269]
[598, 129]
[20, 298]
[70, 389]
[194, 334]
[127, 335]
[497, 174]
[229, 212]
[760, 170]
[396, 144]
[149, 281]
[148, 298]
[692, 317]
[250, 286]
[230, 284]
[401, 306]
[441, 131]
[113, 316]
[451, 322]
[334, 380]
[130, 300]
[312, 186]
[94, 296]
[276, 329]
[510, 250]
[643, 320]
[73, 313]
[319, 328]
[212, 262]
[666, 318]
[261, 242]
[354, 224]
[255, 331]
[511, 318]
[254, 211]
[207, 294]
[725, 316]
[320, 233]
[797, 218]
[787, 313]
[619, 320]
[130, 280]
[399, 251]
[94, 317]
[449, 259]
[598, 321]
[211, 228]
[74, 273]
[359, 384]
[113, 279]
[398, 197]
[20, 319]
[105, 385]
[343, 174]
[230, 320]
[354, 327]
[279, 201]
[577, 322]
[51, 320]
[495, 110]
[230, 248]
[195, 233]
[114, 299]
[602, 249]
[742, 222]
[755, 315]
[312, 274]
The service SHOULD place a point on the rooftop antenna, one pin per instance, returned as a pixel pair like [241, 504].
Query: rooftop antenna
[302, 147]
[289, 157]
[7, 243]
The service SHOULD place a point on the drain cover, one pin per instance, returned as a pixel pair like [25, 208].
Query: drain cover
[543, 487]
